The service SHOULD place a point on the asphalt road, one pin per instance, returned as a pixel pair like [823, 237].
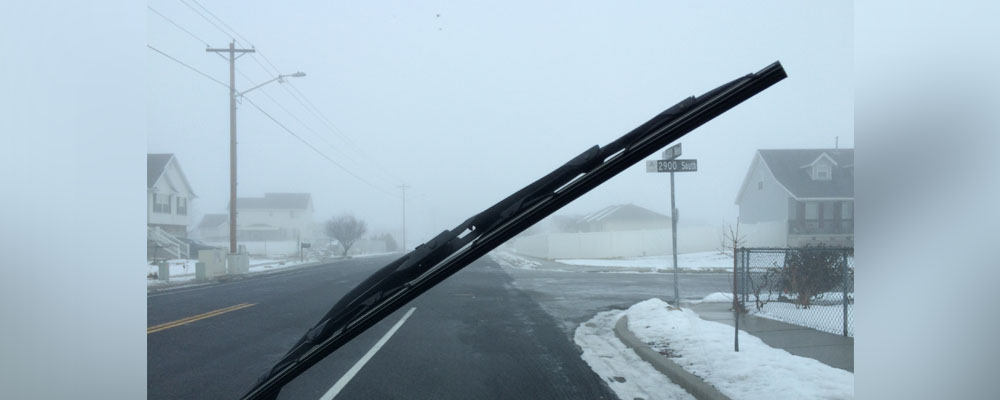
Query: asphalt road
[477, 335]
[572, 295]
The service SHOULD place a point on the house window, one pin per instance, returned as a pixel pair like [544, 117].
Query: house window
[847, 217]
[821, 172]
[182, 206]
[161, 203]
[760, 185]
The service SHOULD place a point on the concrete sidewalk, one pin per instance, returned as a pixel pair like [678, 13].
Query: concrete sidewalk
[834, 350]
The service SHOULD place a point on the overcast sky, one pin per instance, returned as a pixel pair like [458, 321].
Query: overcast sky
[468, 103]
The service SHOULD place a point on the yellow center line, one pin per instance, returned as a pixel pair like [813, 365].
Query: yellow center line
[188, 320]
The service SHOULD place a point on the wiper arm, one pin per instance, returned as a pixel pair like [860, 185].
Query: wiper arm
[402, 280]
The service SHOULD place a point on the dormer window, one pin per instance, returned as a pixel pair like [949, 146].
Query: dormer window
[821, 172]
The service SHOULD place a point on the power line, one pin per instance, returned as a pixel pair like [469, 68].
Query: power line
[335, 130]
[301, 122]
[178, 25]
[206, 19]
[189, 67]
[222, 22]
[315, 149]
[314, 110]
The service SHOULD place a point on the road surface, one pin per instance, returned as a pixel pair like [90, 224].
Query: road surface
[474, 336]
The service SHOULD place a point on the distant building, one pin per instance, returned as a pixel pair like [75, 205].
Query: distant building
[168, 195]
[806, 195]
[624, 230]
[276, 217]
[214, 227]
[624, 217]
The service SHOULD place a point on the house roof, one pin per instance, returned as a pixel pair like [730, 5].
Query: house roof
[155, 164]
[276, 201]
[787, 167]
[213, 220]
[623, 212]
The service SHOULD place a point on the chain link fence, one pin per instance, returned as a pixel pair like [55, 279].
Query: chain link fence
[807, 286]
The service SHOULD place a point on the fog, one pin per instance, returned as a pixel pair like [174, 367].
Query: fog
[468, 103]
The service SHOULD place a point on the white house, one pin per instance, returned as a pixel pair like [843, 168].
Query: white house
[796, 197]
[273, 224]
[623, 217]
[625, 230]
[168, 195]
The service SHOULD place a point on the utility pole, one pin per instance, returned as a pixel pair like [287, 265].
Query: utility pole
[403, 188]
[673, 237]
[232, 50]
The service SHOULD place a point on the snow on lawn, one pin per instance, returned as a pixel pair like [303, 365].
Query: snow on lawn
[703, 261]
[757, 371]
[180, 270]
[717, 297]
[506, 259]
[819, 317]
[265, 265]
[825, 314]
[184, 270]
[629, 376]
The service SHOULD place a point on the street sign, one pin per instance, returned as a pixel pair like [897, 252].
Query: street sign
[671, 165]
[672, 152]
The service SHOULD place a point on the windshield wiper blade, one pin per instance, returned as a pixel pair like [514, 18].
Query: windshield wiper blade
[402, 280]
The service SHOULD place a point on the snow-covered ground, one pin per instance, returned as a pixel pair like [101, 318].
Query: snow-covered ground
[825, 314]
[184, 270]
[757, 371]
[823, 318]
[180, 270]
[703, 261]
[509, 260]
[629, 376]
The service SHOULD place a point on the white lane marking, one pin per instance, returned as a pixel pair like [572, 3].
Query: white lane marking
[330, 394]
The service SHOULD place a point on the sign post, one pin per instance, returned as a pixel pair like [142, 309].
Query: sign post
[671, 164]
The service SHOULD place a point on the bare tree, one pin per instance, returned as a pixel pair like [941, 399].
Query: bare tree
[732, 240]
[346, 229]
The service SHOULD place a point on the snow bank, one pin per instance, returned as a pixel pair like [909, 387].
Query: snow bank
[717, 297]
[629, 376]
[757, 371]
[703, 261]
[510, 260]
[184, 270]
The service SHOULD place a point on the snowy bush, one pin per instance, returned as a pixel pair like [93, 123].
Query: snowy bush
[811, 271]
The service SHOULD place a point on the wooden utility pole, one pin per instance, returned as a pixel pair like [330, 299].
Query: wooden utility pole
[232, 50]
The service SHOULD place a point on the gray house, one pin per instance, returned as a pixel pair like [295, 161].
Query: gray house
[802, 196]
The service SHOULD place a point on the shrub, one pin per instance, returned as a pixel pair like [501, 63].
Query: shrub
[810, 272]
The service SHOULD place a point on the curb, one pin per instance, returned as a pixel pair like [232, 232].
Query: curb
[694, 385]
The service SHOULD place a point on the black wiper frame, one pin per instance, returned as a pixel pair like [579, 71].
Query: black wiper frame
[402, 280]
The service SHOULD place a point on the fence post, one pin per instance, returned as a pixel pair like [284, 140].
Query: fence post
[736, 306]
[844, 299]
[746, 277]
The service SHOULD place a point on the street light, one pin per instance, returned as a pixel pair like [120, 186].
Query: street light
[279, 78]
